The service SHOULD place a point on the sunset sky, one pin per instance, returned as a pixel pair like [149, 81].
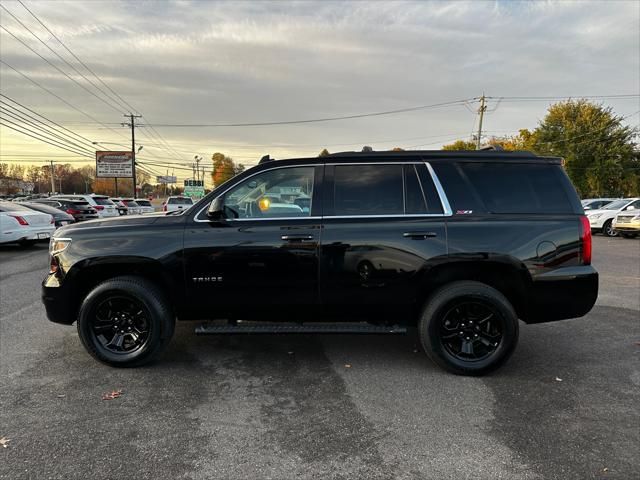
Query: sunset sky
[203, 63]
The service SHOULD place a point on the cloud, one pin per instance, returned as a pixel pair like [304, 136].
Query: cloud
[207, 62]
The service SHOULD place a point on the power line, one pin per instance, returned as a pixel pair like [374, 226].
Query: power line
[75, 56]
[60, 57]
[60, 70]
[314, 120]
[17, 128]
[59, 97]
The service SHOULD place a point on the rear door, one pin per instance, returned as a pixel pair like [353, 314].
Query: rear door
[383, 229]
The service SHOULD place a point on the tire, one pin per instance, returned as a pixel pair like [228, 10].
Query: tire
[457, 333]
[114, 332]
[607, 229]
[629, 235]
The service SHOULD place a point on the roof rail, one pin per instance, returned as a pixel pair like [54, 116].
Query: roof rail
[495, 148]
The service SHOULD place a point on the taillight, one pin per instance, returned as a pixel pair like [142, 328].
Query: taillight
[585, 240]
[72, 211]
[99, 207]
[20, 219]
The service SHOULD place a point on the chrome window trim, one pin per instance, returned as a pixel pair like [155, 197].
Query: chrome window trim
[441, 194]
[443, 197]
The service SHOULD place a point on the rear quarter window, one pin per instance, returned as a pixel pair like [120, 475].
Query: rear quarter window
[519, 187]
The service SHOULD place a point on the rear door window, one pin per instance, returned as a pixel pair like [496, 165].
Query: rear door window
[368, 190]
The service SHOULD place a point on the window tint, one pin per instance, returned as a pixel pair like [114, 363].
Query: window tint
[102, 201]
[277, 193]
[143, 203]
[519, 187]
[414, 199]
[461, 196]
[180, 201]
[368, 190]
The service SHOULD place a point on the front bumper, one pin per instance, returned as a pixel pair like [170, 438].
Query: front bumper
[564, 293]
[627, 227]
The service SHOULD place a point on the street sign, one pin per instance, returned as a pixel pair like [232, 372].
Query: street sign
[194, 188]
[166, 179]
[114, 164]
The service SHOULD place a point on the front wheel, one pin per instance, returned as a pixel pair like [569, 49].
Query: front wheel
[608, 229]
[125, 322]
[468, 328]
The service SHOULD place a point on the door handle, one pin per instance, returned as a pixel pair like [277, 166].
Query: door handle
[296, 238]
[419, 235]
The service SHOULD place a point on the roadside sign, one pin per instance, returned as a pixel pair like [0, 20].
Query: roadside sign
[166, 179]
[194, 188]
[114, 164]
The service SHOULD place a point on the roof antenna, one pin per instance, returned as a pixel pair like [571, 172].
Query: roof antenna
[265, 159]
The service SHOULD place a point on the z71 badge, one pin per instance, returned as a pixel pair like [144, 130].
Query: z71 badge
[464, 212]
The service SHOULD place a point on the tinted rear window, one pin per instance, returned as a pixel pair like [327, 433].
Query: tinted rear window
[102, 201]
[180, 201]
[519, 187]
[368, 190]
[143, 203]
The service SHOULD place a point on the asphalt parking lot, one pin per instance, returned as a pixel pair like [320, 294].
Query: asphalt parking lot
[566, 406]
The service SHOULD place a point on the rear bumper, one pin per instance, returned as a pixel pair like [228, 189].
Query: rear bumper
[57, 301]
[563, 293]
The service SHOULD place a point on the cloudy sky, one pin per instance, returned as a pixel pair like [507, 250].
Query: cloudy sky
[204, 63]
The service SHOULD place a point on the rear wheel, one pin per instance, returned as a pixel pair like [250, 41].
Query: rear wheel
[125, 322]
[468, 328]
[608, 229]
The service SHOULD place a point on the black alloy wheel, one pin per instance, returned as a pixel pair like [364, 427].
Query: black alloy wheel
[121, 324]
[468, 328]
[125, 321]
[608, 229]
[471, 330]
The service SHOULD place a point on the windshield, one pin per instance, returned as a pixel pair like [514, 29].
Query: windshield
[618, 204]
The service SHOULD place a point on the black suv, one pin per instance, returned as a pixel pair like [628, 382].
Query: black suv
[458, 244]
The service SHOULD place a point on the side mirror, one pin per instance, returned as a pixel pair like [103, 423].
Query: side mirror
[630, 207]
[216, 209]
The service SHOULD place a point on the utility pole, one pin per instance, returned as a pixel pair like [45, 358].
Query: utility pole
[53, 183]
[481, 110]
[132, 124]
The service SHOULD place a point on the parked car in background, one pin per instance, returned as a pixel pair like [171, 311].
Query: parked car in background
[601, 220]
[126, 206]
[145, 205]
[100, 203]
[596, 203]
[60, 218]
[627, 223]
[20, 224]
[176, 203]
[78, 209]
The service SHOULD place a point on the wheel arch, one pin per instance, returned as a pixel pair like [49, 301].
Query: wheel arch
[508, 276]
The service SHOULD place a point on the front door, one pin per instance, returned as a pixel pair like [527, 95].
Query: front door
[262, 260]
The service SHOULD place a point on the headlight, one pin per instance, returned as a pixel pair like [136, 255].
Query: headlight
[58, 245]
[594, 215]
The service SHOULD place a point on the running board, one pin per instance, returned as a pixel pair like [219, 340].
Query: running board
[289, 328]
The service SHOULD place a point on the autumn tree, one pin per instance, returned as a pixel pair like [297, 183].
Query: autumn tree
[224, 168]
[460, 145]
[599, 152]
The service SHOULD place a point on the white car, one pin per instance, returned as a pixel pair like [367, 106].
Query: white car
[145, 205]
[101, 203]
[128, 205]
[19, 224]
[601, 220]
[176, 203]
[596, 203]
